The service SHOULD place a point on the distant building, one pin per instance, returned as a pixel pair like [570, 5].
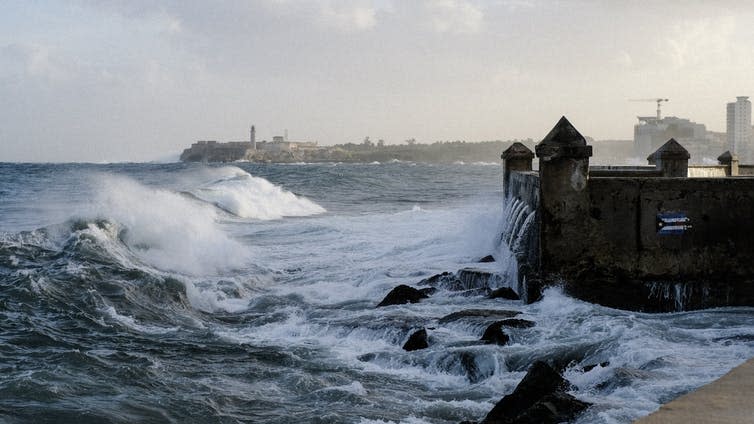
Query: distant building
[739, 128]
[651, 133]
[253, 137]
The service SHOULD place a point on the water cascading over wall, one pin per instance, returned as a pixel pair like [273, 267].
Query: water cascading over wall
[519, 233]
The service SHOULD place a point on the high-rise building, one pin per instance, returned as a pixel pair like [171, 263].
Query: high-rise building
[739, 128]
[651, 133]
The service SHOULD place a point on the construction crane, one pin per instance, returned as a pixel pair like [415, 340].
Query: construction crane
[659, 102]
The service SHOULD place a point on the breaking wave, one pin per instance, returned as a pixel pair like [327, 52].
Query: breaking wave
[246, 196]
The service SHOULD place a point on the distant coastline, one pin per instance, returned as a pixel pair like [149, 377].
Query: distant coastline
[366, 152]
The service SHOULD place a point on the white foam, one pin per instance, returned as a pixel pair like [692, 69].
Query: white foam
[247, 196]
[166, 230]
[133, 324]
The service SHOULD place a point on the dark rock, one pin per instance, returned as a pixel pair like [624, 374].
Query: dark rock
[495, 334]
[488, 258]
[402, 294]
[436, 279]
[505, 293]
[517, 323]
[473, 292]
[625, 376]
[587, 368]
[429, 291]
[540, 381]
[417, 341]
[468, 362]
[477, 314]
[473, 278]
[554, 408]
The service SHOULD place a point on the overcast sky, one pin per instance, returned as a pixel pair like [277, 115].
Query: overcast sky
[111, 80]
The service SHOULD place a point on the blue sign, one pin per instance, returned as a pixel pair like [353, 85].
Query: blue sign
[672, 223]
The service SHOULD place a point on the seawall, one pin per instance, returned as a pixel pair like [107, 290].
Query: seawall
[727, 400]
[643, 238]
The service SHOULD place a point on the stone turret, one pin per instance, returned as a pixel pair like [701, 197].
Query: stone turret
[564, 169]
[517, 157]
[671, 159]
[731, 161]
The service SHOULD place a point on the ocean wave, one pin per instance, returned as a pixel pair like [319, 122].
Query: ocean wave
[246, 196]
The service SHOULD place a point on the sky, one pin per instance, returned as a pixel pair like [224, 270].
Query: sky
[140, 80]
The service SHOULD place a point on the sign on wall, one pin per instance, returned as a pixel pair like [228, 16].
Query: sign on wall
[672, 223]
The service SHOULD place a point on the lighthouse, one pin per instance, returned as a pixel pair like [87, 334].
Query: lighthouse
[253, 137]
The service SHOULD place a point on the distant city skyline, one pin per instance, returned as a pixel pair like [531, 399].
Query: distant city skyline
[111, 80]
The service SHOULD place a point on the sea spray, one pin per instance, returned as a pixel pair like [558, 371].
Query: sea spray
[247, 196]
[167, 230]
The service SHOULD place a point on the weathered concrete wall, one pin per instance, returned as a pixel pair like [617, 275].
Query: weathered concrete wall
[641, 238]
[746, 170]
[629, 263]
[711, 171]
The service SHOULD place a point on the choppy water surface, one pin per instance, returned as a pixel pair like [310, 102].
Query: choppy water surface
[247, 293]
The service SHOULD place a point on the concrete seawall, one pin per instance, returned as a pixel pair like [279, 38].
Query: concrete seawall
[728, 400]
[644, 238]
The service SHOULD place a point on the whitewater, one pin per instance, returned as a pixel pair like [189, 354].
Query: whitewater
[247, 293]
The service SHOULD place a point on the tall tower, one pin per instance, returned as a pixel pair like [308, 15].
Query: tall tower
[253, 137]
[739, 128]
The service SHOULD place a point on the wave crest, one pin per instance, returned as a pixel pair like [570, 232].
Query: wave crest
[246, 196]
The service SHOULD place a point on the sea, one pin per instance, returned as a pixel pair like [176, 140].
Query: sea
[247, 293]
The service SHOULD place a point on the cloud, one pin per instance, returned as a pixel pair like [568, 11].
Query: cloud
[454, 16]
[695, 42]
[349, 17]
[30, 60]
[624, 59]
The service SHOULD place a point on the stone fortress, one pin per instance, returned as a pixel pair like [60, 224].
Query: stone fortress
[278, 150]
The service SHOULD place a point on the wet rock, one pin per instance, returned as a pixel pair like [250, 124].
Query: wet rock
[587, 368]
[539, 398]
[473, 292]
[556, 407]
[488, 258]
[478, 314]
[625, 376]
[401, 295]
[517, 323]
[474, 278]
[429, 291]
[437, 279]
[495, 334]
[504, 293]
[417, 341]
[468, 362]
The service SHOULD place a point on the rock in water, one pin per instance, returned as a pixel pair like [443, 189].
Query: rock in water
[557, 407]
[505, 293]
[417, 341]
[488, 258]
[477, 314]
[539, 398]
[437, 279]
[402, 294]
[517, 323]
[495, 334]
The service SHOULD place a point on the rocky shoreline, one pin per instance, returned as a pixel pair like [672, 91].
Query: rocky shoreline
[543, 396]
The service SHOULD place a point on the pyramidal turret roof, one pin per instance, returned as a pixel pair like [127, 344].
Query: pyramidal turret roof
[517, 150]
[727, 157]
[671, 149]
[564, 134]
